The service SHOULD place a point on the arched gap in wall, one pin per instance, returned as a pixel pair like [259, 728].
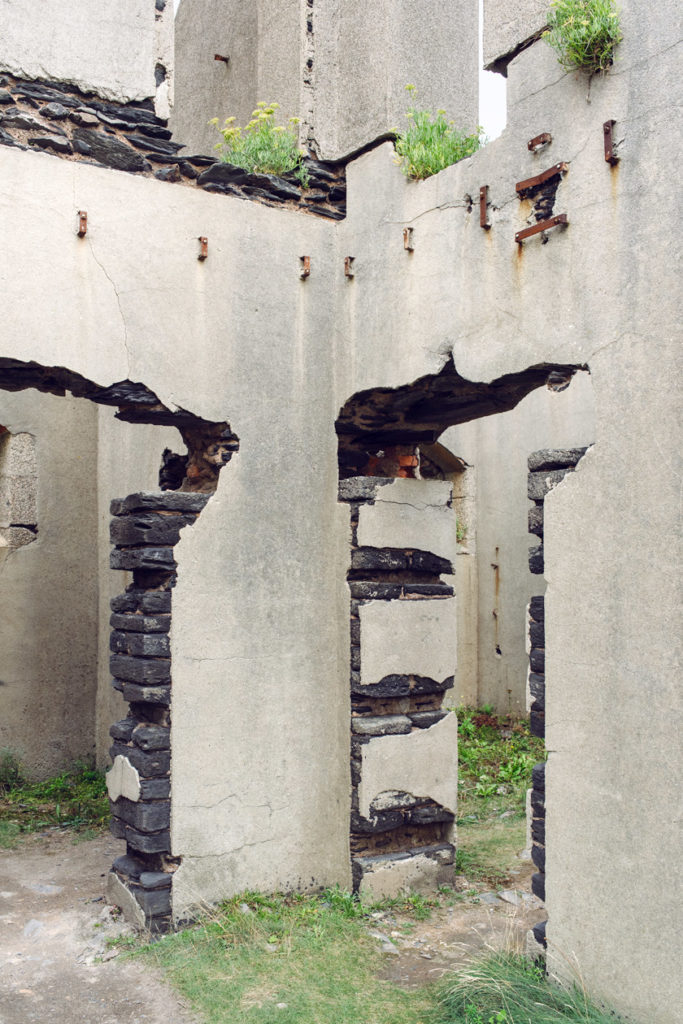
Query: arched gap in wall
[144, 530]
[395, 475]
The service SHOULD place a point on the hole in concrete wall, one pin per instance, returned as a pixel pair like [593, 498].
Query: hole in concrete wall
[18, 489]
[389, 437]
[145, 529]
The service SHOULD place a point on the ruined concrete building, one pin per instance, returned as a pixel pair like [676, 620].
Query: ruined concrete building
[343, 388]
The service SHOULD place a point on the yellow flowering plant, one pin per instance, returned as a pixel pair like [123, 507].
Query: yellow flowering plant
[262, 146]
[584, 33]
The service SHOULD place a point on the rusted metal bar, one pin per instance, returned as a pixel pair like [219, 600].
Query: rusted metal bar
[348, 265]
[543, 225]
[82, 223]
[203, 247]
[610, 155]
[544, 139]
[539, 179]
[305, 267]
[483, 208]
[408, 239]
[218, 56]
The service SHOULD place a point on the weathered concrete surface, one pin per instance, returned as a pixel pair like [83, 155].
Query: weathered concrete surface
[109, 48]
[362, 57]
[123, 779]
[424, 764]
[410, 514]
[420, 873]
[509, 26]
[407, 637]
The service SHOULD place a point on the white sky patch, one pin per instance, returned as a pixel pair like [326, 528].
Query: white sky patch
[492, 92]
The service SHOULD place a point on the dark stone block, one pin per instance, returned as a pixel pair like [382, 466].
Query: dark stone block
[537, 660]
[425, 561]
[322, 211]
[19, 119]
[5, 97]
[539, 933]
[54, 142]
[136, 113]
[538, 885]
[142, 558]
[146, 817]
[536, 560]
[219, 173]
[537, 634]
[321, 170]
[152, 737]
[135, 694]
[537, 609]
[141, 623]
[538, 856]
[538, 803]
[122, 730]
[537, 691]
[148, 528]
[423, 719]
[151, 671]
[555, 458]
[155, 147]
[187, 170]
[363, 590]
[54, 111]
[153, 601]
[382, 559]
[338, 194]
[429, 589]
[149, 765]
[85, 117]
[129, 866]
[537, 723]
[381, 725]
[538, 830]
[155, 131]
[6, 139]
[535, 520]
[161, 501]
[381, 822]
[156, 880]
[145, 645]
[401, 686]
[171, 173]
[270, 183]
[355, 659]
[157, 842]
[540, 483]
[155, 789]
[154, 902]
[108, 150]
[117, 828]
[538, 776]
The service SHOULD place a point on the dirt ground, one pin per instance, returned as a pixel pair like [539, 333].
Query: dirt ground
[56, 964]
[54, 924]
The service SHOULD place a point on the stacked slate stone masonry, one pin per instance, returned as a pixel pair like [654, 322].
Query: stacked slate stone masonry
[144, 529]
[63, 121]
[400, 826]
[546, 469]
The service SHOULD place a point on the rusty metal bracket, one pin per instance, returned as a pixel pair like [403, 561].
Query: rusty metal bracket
[483, 211]
[540, 179]
[82, 223]
[544, 139]
[348, 266]
[543, 225]
[305, 267]
[408, 243]
[203, 247]
[218, 56]
[610, 155]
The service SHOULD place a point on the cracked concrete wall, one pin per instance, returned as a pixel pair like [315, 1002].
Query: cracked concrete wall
[260, 613]
[345, 76]
[507, 27]
[110, 48]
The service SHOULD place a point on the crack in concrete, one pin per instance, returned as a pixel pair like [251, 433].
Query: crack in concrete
[118, 303]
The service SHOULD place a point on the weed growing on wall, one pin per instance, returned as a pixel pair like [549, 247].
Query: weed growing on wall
[584, 33]
[262, 146]
[431, 142]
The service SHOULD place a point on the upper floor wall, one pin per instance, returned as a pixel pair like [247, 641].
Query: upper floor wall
[342, 68]
[122, 51]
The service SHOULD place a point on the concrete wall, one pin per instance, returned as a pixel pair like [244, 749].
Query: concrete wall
[260, 651]
[508, 27]
[109, 48]
[361, 58]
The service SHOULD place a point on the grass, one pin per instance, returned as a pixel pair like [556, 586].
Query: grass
[508, 989]
[431, 143]
[291, 959]
[584, 33]
[262, 146]
[76, 799]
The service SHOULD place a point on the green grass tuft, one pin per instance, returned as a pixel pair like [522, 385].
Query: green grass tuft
[584, 33]
[432, 143]
[262, 146]
[506, 988]
[77, 798]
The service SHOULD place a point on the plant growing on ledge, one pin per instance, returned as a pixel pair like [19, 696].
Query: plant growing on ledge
[584, 33]
[431, 143]
[262, 146]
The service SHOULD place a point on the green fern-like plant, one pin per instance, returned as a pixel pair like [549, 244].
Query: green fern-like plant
[262, 146]
[584, 33]
[431, 143]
